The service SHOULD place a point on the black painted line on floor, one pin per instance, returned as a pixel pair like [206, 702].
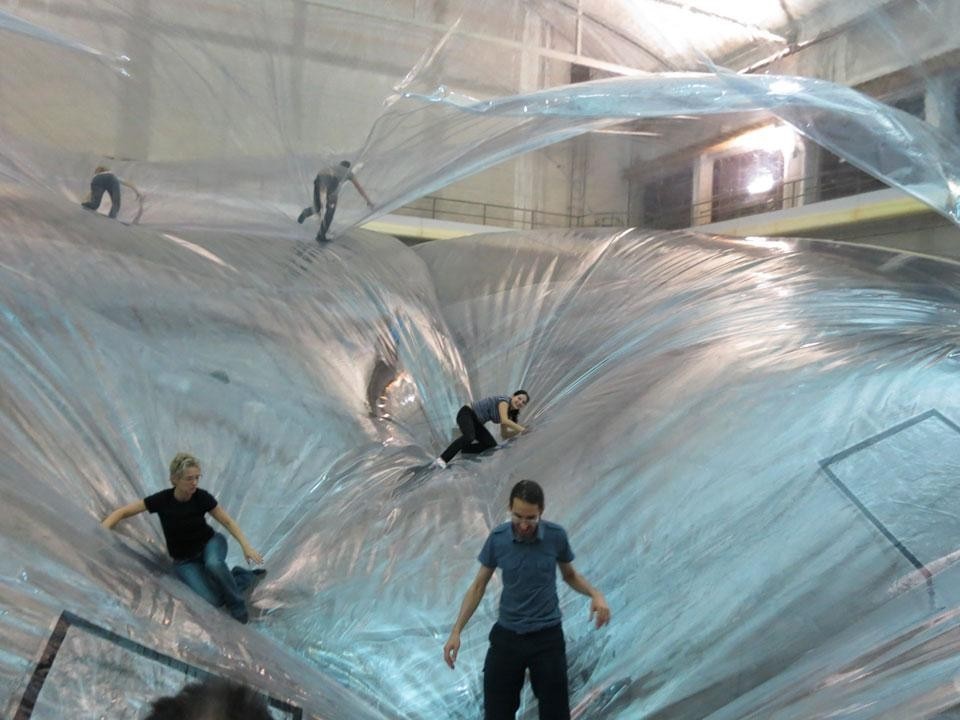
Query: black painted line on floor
[825, 466]
[876, 521]
[884, 435]
[68, 619]
[49, 654]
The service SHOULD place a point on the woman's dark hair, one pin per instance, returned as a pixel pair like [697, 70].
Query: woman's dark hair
[212, 699]
[512, 413]
[528, 491]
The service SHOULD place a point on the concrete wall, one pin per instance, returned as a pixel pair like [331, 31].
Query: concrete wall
[311, 78]
[904, 34]
[926, 233]
[222, 80]
[886, 218]
[606, 189]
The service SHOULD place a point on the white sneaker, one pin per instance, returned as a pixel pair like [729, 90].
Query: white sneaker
[439, 463]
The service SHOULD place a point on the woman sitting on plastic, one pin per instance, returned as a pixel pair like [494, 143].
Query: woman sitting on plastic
[199, 554]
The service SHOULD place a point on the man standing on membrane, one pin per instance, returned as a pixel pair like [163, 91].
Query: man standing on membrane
[528, 633]
[326, 187]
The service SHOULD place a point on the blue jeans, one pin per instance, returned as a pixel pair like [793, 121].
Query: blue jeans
[104, 183]
[209, 577]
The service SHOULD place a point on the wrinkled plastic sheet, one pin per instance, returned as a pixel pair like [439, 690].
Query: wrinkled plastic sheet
[752, 443]
[687, 395]
[183, 79]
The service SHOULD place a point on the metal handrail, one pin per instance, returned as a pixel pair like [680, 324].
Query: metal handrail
[483, 213]
[792, 193]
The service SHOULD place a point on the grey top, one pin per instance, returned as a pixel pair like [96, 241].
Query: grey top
[486, 409]
[529, 569]
[338, 172]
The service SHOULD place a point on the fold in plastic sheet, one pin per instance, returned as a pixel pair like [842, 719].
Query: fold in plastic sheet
[122, 346]
[175, 99]
[689, 395]
[423, 143]
[452, 134]
[900, 149]
[752, 443]
[14, 24]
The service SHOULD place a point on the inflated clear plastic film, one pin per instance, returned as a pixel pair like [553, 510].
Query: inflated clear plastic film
[753, 443]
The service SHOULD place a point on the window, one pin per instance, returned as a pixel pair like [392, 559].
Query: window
[579, 73]
[838, 178]
[747, 184]
[667, 201]
[914, 105]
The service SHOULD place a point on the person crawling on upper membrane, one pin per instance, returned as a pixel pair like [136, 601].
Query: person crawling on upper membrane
[326, 188]
[105, 181]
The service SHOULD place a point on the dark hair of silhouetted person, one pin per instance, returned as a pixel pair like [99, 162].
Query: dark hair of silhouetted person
[211, 700]
[513, 413]
[345, 163]
[528, 491]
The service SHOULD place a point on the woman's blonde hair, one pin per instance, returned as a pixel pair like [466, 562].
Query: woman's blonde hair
[181, 461]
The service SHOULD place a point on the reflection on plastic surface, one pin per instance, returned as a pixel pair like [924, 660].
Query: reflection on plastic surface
[242, 165]
[128, 676]
[712, 419]
[683, 391]
[14, 24]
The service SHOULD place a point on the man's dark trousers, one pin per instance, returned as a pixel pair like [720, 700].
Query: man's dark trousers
[544, 652]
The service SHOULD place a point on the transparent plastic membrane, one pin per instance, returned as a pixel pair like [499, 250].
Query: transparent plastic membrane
[752, 443]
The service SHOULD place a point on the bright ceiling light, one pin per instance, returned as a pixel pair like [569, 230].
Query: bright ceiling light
[762, 182]
[772, 138]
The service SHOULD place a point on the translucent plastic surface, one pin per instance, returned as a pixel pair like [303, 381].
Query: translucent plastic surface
[752, 443]
[684, 393]
[219, 122]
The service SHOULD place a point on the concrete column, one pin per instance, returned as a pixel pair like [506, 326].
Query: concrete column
[702, 190]
[579, 160]
[941, 105]
[134, 124]
[297, 60]
[810, 168]
[527, 177]
[794, 174]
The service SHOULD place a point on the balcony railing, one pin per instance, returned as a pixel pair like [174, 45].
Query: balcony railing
[844, 182]
[480, 213]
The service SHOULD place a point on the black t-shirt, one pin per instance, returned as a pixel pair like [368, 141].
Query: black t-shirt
[184, 523]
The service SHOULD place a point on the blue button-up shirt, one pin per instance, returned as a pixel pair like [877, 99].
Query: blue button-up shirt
[529, 567]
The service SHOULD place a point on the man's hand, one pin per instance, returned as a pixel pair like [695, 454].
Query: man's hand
[451, 649]
[369, 205]
[598, 606]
